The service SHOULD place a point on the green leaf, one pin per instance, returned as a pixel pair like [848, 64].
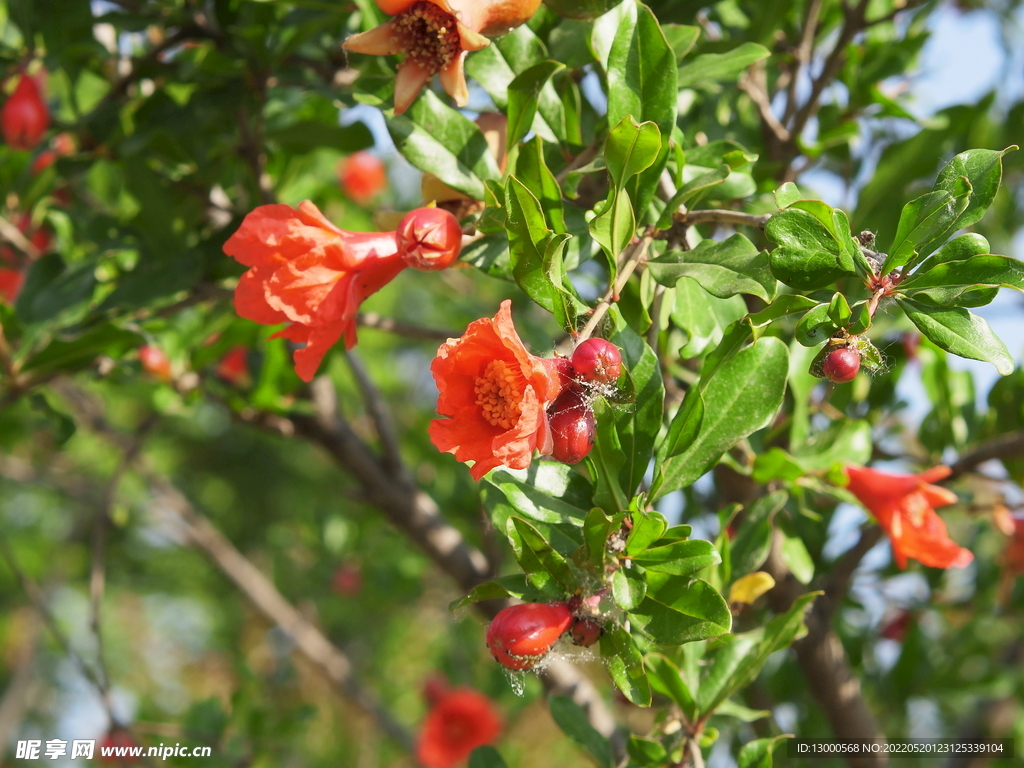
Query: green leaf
[681, 38]
[596, 529]
[548, 492]
[680, 558]
[631, 148]
[946, 283]
[536, 254]
[839, 310]
[496, 66]
[680, 610]
[685, 425]
[648, 527]
[535, 175]
[642, 74]
[667, 680]
[723, 269]
[628, 588]
[797, 558]
[960, 332]
[615, 226]
[54, 289]
[573, 721]
[808, 256]
[719, 67]
[515, 585]
[788, 194]
[625, 664]
[741, 397]
[552, 561]
[646, 751]
[925, 219]
[749, 549]
[845, 441]
[758, 752]
[962, 247]
[486, 757]
[816, 326]
[740, 657]
[983, 168]
[438, 139]
[523, 95]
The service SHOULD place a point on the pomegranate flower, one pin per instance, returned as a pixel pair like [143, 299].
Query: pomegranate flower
[459, 721]
[307, 272]
[434, 37]
[495, 394]
[24, 117]
[904, 506]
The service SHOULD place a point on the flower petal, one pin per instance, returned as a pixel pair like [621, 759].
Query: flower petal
[379, 41]
[408, 83]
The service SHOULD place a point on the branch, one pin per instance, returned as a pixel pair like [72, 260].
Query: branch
[261, 592]
[628, 261]
[16, 237]
[379, 413]
[804, 51]
[399, 328]
[1003, 446]
[749, 86]
[723, 216]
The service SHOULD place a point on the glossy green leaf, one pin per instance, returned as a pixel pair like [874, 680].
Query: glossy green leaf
[945, 283]
[925, 219]
[749, 548]
[545, 492]
[719, 67]
[631, 148]
[808, 255]
[486, 757]
[723, 268]
[436, 138]
[76, 349]
[667, 680]
[680, 610]
[628, 588]
[647, 528]
[961, 247]
[738, 660]
[983, 168]
[514, 585]
[535, 175]
[625, 664]
[686, 424]
[758, 752]
[642, 74]
[596, 529]
[960, 332]
[741, 397]
[680, 558]
[552, 561]
[523, 96]
[573, 720]
[816, 326]
[615, 226]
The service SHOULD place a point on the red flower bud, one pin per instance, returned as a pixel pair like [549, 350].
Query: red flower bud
[597, 360]
[362, 176]
[429, 238]
[521, 634]
[586, 632]
[24, 117]
[571, 420]
[841, 365]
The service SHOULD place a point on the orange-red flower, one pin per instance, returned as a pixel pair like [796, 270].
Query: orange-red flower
[459, 721]
[434, 37]
[495, 394]
[307, 272]
[904, 506]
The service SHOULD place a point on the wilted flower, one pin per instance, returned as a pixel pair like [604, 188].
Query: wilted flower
[307, 272]
[495, 394]
[904, 506]
[459, 721]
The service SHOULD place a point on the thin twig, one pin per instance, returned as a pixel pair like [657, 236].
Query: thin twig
[584, 157]
[723, 216]
[379, 413]
[1005, 446]
[17, 238]
[803, 56]
[399, 328]
[628, 261]
[749, 86]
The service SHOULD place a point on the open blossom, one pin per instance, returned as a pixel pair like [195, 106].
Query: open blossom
[904, 506]
[459, 721]
[495, 394]
[434, 37]
[306, 272]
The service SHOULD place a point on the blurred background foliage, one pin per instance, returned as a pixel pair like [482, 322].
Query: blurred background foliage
[182, 116]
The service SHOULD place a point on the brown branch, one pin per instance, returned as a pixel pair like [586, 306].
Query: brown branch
[629, 259]
[379, 413]
[804, 52]
[16, 237]
[838, 582]
[399, 328]
[262, 593]
[723, 216]
[1005, 446]
[757, 94]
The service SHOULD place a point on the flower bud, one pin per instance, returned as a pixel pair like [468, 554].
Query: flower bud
[841, 365]
[520, 635]
[155, 361]
[429, 238]
[571, 420]
[597, 360]
[24, 117]
[362, 176]
[586, 632]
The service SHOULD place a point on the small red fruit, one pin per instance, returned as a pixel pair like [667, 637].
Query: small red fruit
[597, 360]
[362, 176]
[586, 632]
[24, 117]
[155, 361]
[347, 580]
[429, 238]
[573, 429]
[520, 635]
[841, 365]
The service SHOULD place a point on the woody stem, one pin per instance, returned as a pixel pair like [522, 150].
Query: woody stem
[630, 258]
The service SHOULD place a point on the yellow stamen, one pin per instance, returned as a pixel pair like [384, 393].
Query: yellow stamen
[429, 35]
[499, 395]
